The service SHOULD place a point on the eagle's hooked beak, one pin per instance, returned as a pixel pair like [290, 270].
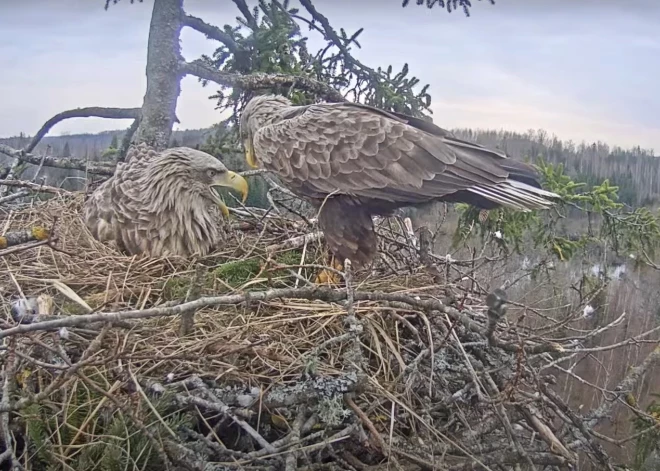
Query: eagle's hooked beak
[249, 154]
[231, 180]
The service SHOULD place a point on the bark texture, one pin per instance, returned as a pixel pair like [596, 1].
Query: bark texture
[163, 78]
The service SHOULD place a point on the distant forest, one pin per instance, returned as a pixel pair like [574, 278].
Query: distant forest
[634, 170]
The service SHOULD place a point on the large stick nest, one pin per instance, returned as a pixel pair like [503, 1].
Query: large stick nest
[396, 366]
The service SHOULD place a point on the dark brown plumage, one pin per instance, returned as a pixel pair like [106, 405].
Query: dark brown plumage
[354, 161]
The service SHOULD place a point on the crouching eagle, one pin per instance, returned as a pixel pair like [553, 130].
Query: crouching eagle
[162, 203]
[354, 161]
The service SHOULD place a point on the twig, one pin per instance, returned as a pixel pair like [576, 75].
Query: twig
[188, 318]
[295, 242]
[33, 186]
[21, 248]
[15, 196]
[291, 460]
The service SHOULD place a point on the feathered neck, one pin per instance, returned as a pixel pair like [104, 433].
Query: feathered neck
[265, 109]
[189, 220]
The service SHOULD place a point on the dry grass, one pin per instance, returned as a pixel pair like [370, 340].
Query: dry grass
[391, 367]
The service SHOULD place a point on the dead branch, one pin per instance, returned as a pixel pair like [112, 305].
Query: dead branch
[295, 242]
[21, 237]
[203, 71]
[15, 196]
[91, 112]
[70, 164]
[624, 388]
[35, 187]
[9, 372]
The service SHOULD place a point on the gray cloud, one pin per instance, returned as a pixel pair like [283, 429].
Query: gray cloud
[585, 72]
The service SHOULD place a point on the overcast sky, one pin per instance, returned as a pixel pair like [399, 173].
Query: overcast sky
[588, 72]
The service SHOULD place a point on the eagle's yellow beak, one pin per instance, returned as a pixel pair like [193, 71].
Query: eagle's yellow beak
[249, 154]
[234, 181]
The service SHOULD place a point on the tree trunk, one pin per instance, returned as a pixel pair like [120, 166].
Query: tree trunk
[163, 77]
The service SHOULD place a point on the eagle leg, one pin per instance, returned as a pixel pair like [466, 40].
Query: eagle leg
[349, 230]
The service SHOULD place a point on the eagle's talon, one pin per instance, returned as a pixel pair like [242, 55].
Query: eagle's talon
[329, 277]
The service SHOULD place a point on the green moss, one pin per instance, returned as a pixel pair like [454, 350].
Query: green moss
[176, 288]
[292, 257]
[238, 272]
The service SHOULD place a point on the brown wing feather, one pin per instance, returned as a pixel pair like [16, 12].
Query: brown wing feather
[352, 150]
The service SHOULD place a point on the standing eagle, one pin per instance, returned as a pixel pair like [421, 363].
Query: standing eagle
[354, 161]
[162, 203]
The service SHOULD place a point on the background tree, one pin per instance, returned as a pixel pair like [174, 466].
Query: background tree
[66, 152]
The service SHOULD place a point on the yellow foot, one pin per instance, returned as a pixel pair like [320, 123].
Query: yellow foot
[328, 277]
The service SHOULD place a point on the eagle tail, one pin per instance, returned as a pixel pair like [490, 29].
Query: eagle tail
[520, 191]
[349, 231]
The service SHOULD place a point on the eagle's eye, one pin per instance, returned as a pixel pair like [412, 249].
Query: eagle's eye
[211, 173]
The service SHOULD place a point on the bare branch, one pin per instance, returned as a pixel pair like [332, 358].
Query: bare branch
[211, 31]
[69, 164]
[33, 186]
[245, 11]
[91, 112]
[257, 81]
[625, 387]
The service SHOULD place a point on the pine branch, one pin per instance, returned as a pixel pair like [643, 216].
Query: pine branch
[245, 11]
[91, 112]
[332, 36]
[211, 31]
[69, 164]
[258, 81]
[450, 5]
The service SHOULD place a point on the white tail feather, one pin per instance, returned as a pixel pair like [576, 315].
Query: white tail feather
[516, 195]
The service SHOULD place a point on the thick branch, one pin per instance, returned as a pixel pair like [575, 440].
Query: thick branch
[91, 112]
[257, 81]
[69, 164]
[211, 32]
